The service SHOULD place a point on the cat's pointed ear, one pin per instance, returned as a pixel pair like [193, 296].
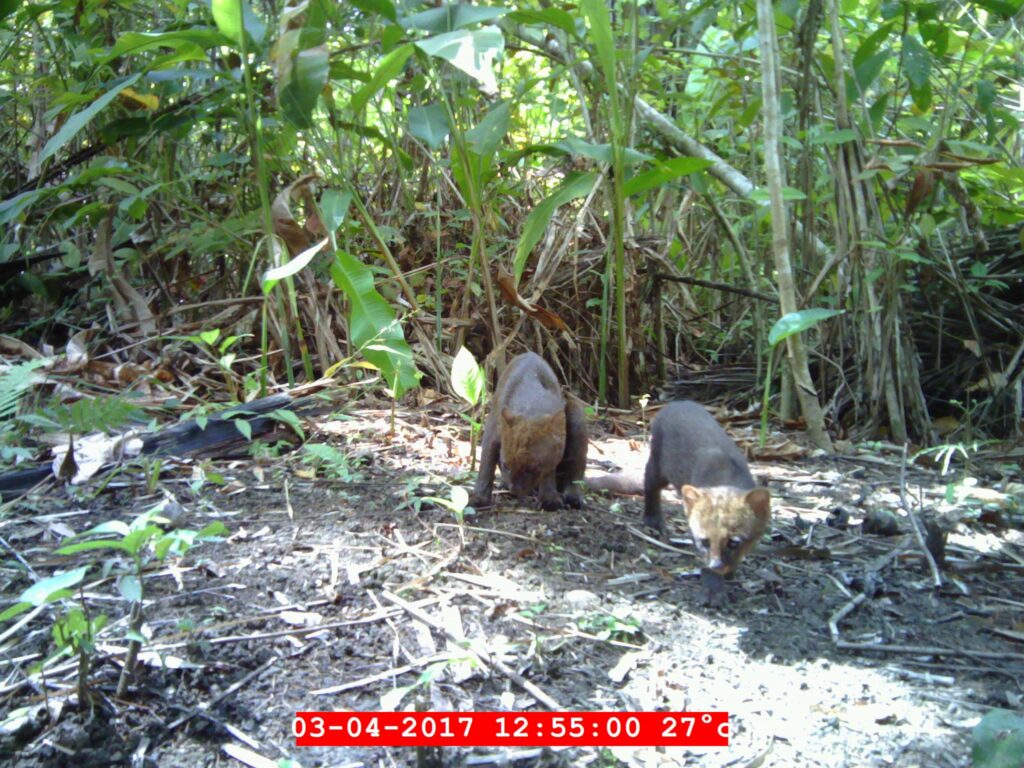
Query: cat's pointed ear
[760, 502]
[691, 495]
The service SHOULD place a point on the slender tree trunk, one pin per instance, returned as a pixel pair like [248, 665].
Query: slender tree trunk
[885, 357]
[806, 393]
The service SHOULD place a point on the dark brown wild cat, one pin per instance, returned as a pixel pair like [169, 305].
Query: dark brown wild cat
[537, 436]
[726, 510]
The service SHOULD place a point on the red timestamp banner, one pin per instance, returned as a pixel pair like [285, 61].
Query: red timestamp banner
[494, 729]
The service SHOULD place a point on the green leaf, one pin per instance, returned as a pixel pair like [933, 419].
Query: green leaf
[429, 124]
[998, 740]
[390, 67]
[164, 544]
[244, 428]
[90, 546]
[484, 138]
[753, 110]
[908, 254]
[468, 378]
[554, 17]
[392, 700]
[15, 382]
[877, 110]
[15, 610]
[7, 7]
[575, 185]
[602, 153]
[922, 96]
[290, 419]
[189, 44]
[342, 70]
[575, 146]
[869, 60]
[136, 540]
[450, 17]
[111, 526]
[334, 208]
[41, 592]
[212, 531]
[986, 95]
[599, 22]
[834, 137]
[372, 325]
[927, 226]
[210, 337]
[302, 77]
[11, 209]
[80, 119]
[383, 8]
[917, 61]
[130, 587]
[273, 276]
[935, 35]
[460, 498]
[225, 14]
[795, 322]
[871, 45]
[664, 172]
[472, 52]
[789, 194]
[391, 36]
[1005, 8]
[868, 71]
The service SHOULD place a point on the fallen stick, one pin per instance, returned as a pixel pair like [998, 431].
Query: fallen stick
[928, 650]
[846, 610]
[494, 664]
[916, 524]
[227, 692]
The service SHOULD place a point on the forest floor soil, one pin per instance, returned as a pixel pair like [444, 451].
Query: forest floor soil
[293, 612]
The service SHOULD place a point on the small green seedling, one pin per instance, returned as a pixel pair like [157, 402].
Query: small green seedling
[330, 461]
[458, 504]
[998, 740]
[470, 383]
[786, 326]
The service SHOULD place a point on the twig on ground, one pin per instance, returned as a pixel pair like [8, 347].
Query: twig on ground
[504, 757]
[924, 677]
[916, 524]
[370, 679]
[835, 618]
[651, 540]
[495, 664]
[227, 692]
[928, 650]
[248, 756]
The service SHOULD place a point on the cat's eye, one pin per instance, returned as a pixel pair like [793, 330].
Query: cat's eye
[705, 543]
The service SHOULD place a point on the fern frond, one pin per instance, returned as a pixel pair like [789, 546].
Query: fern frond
[14, 383]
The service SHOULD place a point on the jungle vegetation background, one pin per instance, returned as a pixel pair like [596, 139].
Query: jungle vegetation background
[204, 202]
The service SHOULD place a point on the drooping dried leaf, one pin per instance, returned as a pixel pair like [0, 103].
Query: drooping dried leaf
[77, 351]
[133, 100]
[923, 185]
[128, 303]
[79, 460]
[64, 465]
[507, 286]
[17, 348]
[284, 223]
